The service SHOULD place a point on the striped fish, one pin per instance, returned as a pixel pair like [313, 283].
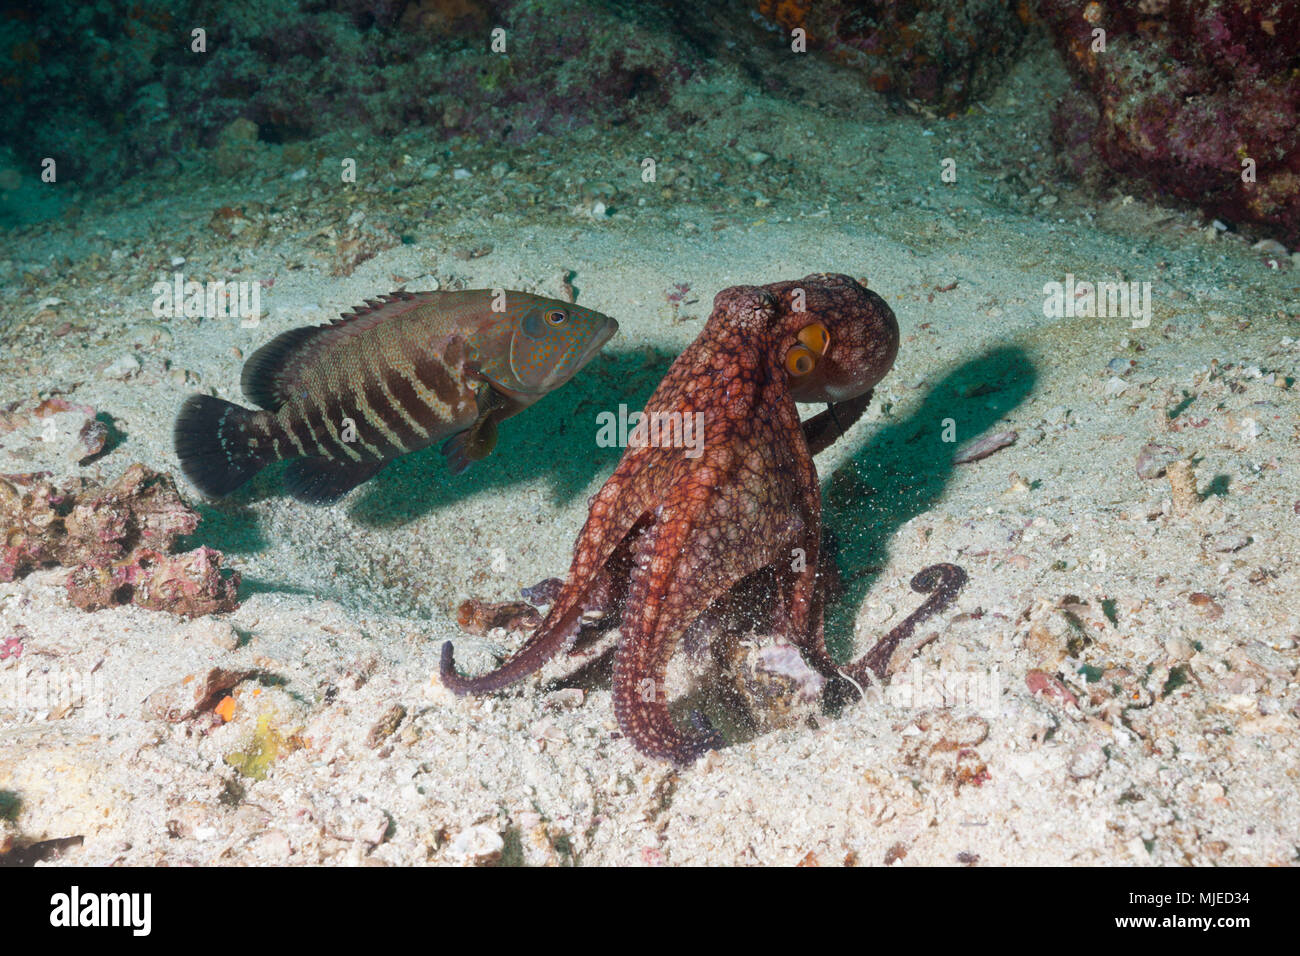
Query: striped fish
[404, 371]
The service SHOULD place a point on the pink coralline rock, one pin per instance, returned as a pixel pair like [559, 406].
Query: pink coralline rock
[117, 539]
[190, 584]
[1196, 98]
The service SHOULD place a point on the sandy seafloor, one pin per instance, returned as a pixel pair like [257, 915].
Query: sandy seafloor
[1184, 753]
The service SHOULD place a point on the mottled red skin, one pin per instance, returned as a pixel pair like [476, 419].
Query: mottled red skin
[668, 536]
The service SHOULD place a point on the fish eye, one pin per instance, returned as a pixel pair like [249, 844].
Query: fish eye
[556, 317]
[800, 360]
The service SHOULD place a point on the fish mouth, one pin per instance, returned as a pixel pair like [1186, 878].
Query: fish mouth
[567, 370]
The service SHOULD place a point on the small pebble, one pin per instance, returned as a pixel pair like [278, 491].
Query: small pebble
[212, 631]
[274, 844]
[879, 612]
[149, 335]
[384, 727]
[985, 447]
[478, 844]
[1041, 682]
[1086, 761]
[1270, 246]
[1206, 605]
[1182, 483]
[1229, 541]
[122, 368]
[1153, 459]
[566, 698]
[90, 440]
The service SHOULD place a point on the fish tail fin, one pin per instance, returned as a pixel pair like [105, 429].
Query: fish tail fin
[220, 444]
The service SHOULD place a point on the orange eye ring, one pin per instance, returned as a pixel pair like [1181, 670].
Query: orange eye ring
[556, 317]
[800, 360]
[816, 337]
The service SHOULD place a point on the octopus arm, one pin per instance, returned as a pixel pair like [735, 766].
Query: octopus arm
[610, 521]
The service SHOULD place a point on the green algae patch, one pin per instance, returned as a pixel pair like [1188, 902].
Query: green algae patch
[266, 747]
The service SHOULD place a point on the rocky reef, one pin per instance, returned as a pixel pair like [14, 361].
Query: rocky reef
[111, 94]
[942, 54]
[1198, 99]
[1192, 100]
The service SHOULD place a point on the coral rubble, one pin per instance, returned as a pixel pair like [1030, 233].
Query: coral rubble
[116, 539]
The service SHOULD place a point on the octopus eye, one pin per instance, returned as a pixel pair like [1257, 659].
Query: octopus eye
[817, 337]
[800, 360]
[556, 317]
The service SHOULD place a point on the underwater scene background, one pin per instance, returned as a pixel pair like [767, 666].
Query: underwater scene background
[1081, 219]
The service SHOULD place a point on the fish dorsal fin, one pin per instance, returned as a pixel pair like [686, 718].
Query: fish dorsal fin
[271, 371]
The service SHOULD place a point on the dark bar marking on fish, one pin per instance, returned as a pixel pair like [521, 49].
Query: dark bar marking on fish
[367, 436]
[321, 419]
[404, 428]
[300, 433]
[435, 377]
[421, 417]
[381, 411]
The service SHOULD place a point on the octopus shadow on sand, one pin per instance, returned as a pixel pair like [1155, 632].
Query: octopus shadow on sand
[903, 471]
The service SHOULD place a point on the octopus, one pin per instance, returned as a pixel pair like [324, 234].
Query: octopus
[683, 534]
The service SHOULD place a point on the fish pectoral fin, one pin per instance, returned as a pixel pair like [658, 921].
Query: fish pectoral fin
[323, 481]
[472, 444]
